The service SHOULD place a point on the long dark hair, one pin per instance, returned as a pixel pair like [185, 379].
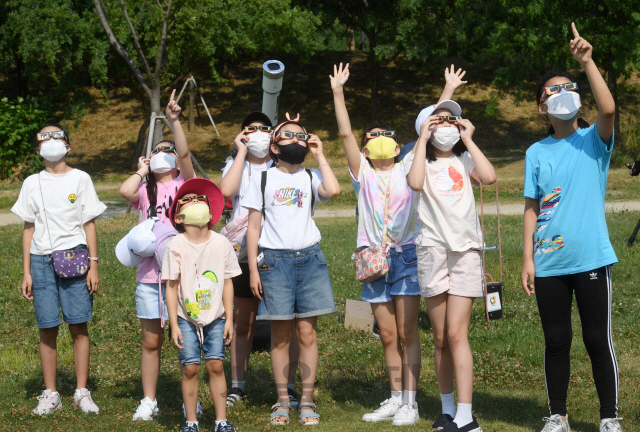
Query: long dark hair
[36, 143]
[152, 188]
[365, 140]
[582, 124]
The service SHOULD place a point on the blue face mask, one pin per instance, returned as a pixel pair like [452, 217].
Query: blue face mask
[563, 105]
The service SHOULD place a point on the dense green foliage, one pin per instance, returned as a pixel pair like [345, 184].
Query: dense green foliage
[19, 121]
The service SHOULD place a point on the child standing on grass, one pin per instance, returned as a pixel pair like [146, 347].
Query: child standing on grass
[198, 266]
[449, 261]
[387, 208]
[166, 170]
[59, 206]
[290, 275]
[252, 158]
[566, 181]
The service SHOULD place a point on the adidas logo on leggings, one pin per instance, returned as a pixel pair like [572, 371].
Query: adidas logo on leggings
[594, 276]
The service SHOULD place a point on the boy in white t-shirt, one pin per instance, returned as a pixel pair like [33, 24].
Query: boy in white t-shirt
[58, 207]
[198, 266]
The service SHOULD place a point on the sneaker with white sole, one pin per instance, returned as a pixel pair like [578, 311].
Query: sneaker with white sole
[48, 402]
[406, 415]
[386, 412]
[82, 399]
[147, 410]
[471, 427]
[198, 410]
[225, 426]
[234, 396]
[556, 424]
[610, 425]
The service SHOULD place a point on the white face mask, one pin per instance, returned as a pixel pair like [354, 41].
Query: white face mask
[162, 162]
[445, 138]
[53, 150]
[258, 144]
[563, 105]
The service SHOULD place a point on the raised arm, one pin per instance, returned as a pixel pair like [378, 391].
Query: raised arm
[129, 189]
[582, 51]
[329, 188]
[484, 171]
[230, 182]
[349, 143]
[415, 177]
[453, 80]
[184, 159]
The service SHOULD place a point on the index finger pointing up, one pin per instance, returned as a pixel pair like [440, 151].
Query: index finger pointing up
[173, 93]
[575, 31]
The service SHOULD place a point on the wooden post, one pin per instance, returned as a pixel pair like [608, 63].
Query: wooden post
[192, 98]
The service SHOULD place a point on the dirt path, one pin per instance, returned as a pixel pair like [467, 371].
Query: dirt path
[507, 209]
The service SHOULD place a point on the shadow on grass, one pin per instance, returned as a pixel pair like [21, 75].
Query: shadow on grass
[65, 383]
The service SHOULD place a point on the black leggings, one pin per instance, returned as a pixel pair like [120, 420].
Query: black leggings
[593, 296]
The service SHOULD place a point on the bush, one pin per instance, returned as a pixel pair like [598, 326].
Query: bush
[19, 121]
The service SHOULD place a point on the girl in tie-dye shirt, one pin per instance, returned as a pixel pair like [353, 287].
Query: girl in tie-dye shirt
[395, 297]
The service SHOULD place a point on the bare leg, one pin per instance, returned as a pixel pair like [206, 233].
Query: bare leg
[152, 339]
[190, 390]
[385, 315]
[280, 341]
[306, 329]
[407, 308]
[437, 308]
[245, 311]
[218, 386]
[458, 315]
[81, 350]
[49, 356]
[294, 355]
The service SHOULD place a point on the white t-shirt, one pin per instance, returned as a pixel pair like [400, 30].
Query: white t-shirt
[288, 223]
[249, 170]
[446, 207]
[70, 201]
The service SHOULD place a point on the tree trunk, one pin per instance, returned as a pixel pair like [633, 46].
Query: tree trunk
[154, 101]
[192, 99]
[351, 40]
[612, 77]
[140, 144]
[363, 41]
[375, 78]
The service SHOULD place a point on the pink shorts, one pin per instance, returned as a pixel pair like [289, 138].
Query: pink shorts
[441, 270]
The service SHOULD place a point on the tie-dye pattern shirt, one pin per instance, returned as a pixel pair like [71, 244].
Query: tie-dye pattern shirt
[569, 178]
[403, 215]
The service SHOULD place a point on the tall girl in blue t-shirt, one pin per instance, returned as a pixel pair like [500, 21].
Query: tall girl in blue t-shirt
[565, 182]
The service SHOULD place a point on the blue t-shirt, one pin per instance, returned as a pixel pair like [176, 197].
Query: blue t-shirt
[569, 178]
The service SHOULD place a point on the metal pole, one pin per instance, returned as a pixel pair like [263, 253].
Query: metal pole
[192, 98]
[206, 108]
[272, 73]
[152, 125]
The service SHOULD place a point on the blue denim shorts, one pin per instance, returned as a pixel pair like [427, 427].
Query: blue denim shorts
[295, 284]
[212, 344]
[148, 303]
[52, 293]
[402, 278]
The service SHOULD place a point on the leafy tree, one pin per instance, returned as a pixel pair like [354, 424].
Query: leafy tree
[162, 42]
[522, 39]
[20, 120]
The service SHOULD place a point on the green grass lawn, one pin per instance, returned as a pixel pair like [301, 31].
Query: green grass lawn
[509, 382]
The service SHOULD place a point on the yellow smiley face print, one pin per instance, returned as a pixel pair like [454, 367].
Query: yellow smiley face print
[72, 198]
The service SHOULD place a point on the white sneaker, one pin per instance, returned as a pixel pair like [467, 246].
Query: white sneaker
[147, 410]
[406, 415]
[199, 411]
[82, 399]
[610, 425]
[386, 412]
[556, 424]
[48, 402]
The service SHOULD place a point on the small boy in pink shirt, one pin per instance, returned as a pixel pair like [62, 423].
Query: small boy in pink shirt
[198, 266]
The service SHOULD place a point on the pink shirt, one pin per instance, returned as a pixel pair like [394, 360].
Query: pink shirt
[148, 269]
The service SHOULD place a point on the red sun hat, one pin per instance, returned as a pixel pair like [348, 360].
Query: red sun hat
[201, 186]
